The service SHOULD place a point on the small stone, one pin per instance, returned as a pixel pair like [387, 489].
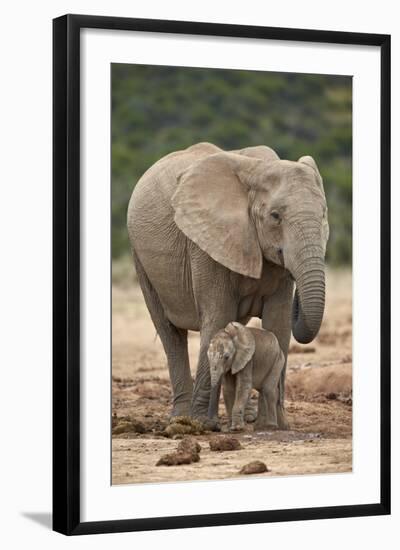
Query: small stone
[347, 400]
[255, 467]
[178, 458]
[225, 444]
[189, 444]
[125, 426]
[331, 395]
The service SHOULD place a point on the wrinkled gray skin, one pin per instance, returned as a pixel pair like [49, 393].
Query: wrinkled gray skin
[245, 358]
[222, 236]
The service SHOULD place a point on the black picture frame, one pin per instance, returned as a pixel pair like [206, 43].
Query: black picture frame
[66, 273]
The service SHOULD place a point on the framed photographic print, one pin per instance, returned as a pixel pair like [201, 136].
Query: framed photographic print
[221, 274]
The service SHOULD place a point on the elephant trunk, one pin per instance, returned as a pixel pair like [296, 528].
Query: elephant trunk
[214, 400]
[309, 300]
[215, 378]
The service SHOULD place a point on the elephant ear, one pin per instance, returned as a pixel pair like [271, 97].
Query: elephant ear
[309, 161]
[244, 343]
[211, 208]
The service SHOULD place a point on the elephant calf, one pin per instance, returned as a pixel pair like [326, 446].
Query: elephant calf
[246, 358]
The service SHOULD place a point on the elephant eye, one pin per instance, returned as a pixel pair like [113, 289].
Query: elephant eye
[275, 215]
[226, 356]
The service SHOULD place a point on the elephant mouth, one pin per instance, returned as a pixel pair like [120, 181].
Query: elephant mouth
[281, 257]
[275, 256]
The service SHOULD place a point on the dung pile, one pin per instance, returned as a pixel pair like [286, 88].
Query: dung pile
[186, 452]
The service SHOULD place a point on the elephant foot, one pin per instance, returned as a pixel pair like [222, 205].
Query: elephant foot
[200, 413]
[265, 427]
[283, 423]
[250, 417]
[237, 427]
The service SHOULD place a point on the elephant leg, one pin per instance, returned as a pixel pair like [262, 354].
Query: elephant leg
[267, 411]
[217, 306]
[202, 385]
[242, 394]
[261, 422]
[175, 345]
[228, 390]
[276, 317]
[174, 341]
[250, 412]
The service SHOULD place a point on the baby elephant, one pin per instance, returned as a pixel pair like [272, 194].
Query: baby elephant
[247, 358]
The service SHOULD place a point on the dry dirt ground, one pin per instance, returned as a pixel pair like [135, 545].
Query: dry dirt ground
[318, 399]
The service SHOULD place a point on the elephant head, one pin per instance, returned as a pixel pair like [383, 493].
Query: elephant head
[243, 210]
[230, 350]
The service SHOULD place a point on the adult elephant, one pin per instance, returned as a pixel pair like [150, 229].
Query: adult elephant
[222, 236]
